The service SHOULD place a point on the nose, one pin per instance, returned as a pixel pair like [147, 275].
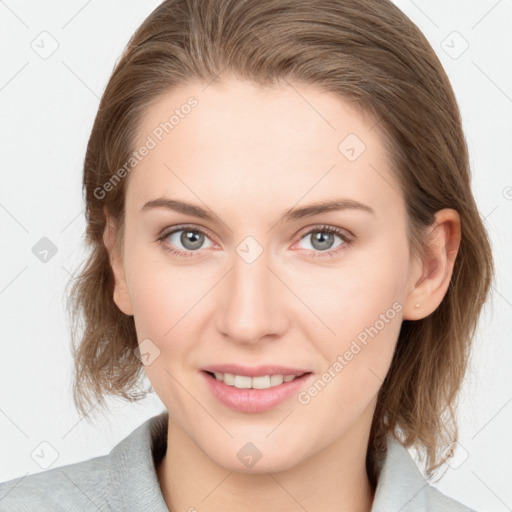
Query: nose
[251, 302]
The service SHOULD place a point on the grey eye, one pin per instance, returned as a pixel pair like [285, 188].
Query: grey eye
[189, 239]
[321, 240]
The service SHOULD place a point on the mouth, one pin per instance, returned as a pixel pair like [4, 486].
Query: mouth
[255, 393]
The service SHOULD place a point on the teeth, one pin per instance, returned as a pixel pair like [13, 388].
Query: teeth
[242, 382]
[262, 382]
[229, 379]
[246, 382]
[276, 380]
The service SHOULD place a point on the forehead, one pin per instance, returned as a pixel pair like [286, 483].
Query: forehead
[266, 147]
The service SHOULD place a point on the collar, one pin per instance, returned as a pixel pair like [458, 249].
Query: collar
[400, 485]
[402, 488]
[133, 463]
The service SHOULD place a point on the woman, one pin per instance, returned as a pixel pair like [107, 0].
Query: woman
[284, 240]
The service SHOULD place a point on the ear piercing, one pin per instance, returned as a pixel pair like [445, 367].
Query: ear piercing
[416, 305]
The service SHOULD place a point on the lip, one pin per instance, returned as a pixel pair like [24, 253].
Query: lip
[254, 371]
[255, 400]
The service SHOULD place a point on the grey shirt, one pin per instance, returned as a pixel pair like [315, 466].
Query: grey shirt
[126, 480]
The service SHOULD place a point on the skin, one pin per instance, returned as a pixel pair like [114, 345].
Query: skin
[250, 154]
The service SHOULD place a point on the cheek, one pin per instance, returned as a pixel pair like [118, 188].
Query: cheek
[162, 292]
[362, 307]
[164, 299]
[366, 286]
[356, 364]
[168, 304]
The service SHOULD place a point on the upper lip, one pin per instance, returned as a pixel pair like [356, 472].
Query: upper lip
[254, 371]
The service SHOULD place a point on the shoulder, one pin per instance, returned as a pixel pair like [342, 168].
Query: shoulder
[124, 479]
[81, 486]
[401, 486]
[442, 502]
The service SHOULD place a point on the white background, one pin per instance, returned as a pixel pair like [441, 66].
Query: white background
[48, 107]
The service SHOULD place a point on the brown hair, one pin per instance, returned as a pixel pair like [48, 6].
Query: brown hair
[367, 52]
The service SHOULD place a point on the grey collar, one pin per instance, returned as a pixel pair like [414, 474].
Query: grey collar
[400, 485]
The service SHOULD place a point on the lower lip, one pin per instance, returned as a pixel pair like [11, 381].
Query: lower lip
[254, 400]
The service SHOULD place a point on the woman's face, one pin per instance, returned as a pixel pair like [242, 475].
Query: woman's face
[258, 276]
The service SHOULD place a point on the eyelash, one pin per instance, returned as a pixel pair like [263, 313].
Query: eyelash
[316, 229]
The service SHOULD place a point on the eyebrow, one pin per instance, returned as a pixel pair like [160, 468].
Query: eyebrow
[289, 215]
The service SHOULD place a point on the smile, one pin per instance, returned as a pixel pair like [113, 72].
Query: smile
[254, 394]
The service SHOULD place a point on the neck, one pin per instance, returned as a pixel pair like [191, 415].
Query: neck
[334, 479]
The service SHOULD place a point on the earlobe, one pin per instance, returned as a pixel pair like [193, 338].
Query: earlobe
[121, 295]
[436, 268]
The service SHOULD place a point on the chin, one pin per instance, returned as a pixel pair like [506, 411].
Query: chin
[256, 457]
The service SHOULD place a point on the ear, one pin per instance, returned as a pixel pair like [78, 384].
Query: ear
[431, 276]
[121, 295]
